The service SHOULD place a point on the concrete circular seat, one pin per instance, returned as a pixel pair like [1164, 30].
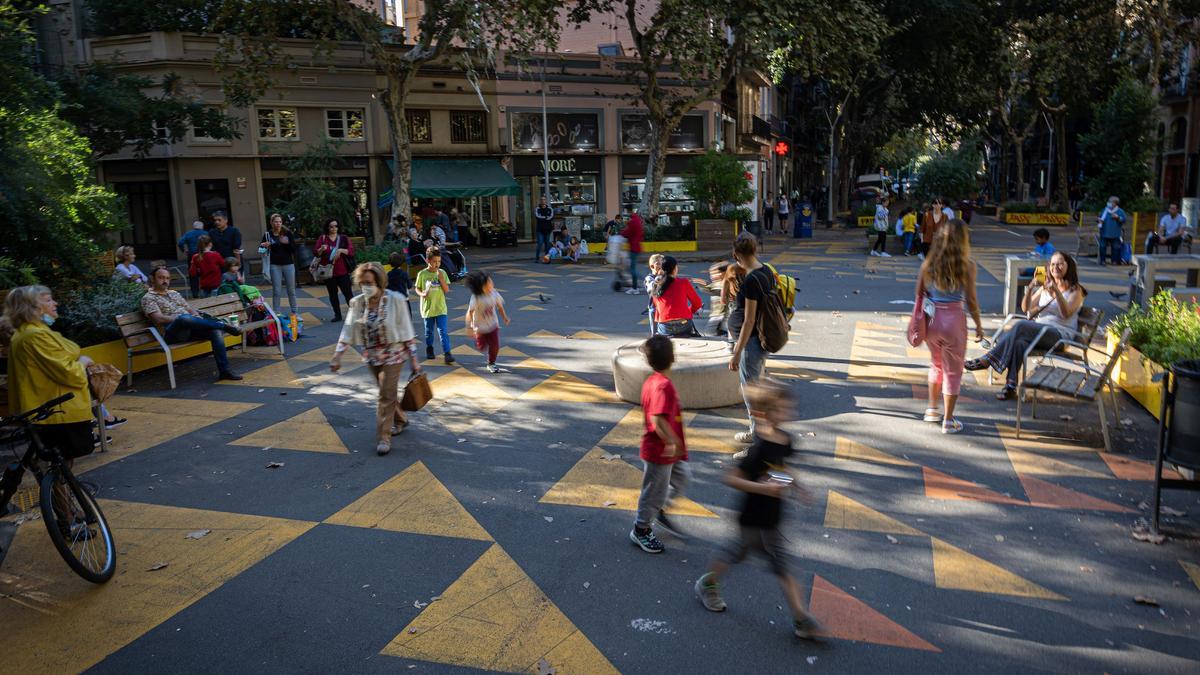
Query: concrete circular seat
[701, 374]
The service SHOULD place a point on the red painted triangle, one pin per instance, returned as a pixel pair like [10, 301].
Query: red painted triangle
[1050, 496]
[848, 618]
[940, 485]
[1133, 469]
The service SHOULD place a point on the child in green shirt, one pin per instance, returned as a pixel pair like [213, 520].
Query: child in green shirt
[432, 285]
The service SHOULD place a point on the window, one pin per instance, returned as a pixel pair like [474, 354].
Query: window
[344, 124]
[277, 124]
[467, 126]
[419, 128]
[202, 133]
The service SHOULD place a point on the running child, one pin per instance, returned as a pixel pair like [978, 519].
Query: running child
[663, 450]
[483, 316]
[762, 477]
[432, 286]
[648, 283]
[716, 305]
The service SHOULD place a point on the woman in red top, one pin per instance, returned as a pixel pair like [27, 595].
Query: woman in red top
[208, 265]
[338, 248]
[675, 302]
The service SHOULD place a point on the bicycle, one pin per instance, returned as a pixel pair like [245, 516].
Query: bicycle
[73, 518]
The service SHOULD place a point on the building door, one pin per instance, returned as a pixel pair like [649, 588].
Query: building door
[212, 196]
[153, 219]
[1173, 181]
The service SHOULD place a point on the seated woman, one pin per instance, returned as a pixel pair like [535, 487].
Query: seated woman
[1055, 305]
[572, 251]
[675, 302]
[125, 268]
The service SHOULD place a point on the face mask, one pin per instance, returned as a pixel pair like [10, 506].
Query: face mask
[47, 319]
[369, 290]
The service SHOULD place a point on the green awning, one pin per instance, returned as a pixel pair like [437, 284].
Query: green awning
[449, 178]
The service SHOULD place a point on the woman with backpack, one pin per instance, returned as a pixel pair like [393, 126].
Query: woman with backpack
[947, 282]
[749, 355]
[336, 249]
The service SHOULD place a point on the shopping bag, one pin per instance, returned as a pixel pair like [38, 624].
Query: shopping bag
[416, 393]
[103, 379]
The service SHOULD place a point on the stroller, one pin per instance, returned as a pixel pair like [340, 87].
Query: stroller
[618, 256]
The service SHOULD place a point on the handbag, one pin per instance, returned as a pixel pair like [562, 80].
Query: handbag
[917, 321]
[321, 272]
[103, 379]
[416, 393]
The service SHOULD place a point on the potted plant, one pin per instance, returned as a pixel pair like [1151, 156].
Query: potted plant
[1162, 333]
[718, 183]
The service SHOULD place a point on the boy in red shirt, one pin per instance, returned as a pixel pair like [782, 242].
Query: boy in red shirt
[663, 450]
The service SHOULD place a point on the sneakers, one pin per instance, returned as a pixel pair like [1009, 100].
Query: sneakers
[633, 291]
[806, 628]
[743, 437]
[884, 254]
[229, 375]
[873, 254]
[741, 454]
[383, 448]
[428, 353]
[493, 368]
[709, 593]
[920, 256]
[669, 526]
[449, 359]
[646, 541]
[114, 422]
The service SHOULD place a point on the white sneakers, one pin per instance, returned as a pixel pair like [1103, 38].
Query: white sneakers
[885, 254]
[873, 254]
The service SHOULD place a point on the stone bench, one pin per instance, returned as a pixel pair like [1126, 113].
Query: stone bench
[701, 374]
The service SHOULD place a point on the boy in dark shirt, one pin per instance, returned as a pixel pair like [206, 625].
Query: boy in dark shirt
[398, 279]
[663, 450]
[764, 479]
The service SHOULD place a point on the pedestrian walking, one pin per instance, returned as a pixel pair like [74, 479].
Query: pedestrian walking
[762, 477]
[376, 319]
[334, 248]
[279, 246]
[663, 448]
[634, 233]
[881, 225]
[1111, 224]
[932, 221]
[945, 283]
[484, 313]
[908, 224]
[543, 217]
[432, 285]
[748, 357]
[783, 208]
[188, 244]
[769, 212]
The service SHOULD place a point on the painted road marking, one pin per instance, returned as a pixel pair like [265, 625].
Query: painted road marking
[853, 450]
[309, 431]
[413, 501]
[567, 388]
[848, 618]
[596, 482]
[278, 375]
[843, 513]
[954, 568]
[940, 485]
[462, 383]
[1050, 496]
[494, 617]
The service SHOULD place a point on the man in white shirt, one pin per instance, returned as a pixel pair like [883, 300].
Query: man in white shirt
[948, 210]
[880, 225]
[1171, 229]
[784, 210]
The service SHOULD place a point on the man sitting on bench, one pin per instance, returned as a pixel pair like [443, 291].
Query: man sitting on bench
[180, 323]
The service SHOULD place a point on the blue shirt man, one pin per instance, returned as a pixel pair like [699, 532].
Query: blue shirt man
[1112, 222]
[190, 242]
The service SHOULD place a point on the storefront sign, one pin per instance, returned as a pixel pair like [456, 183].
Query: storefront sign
[636, 132]
[568, 131]
[558, 166]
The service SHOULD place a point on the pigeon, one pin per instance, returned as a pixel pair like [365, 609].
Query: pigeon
[542, 298]
[1116, 295]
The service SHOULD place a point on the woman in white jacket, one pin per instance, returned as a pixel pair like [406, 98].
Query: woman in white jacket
[378, 320]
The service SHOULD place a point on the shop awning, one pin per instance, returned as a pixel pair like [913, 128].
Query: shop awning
[451, 178]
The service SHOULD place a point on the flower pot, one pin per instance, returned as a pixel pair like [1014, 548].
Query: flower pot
[1137, 375]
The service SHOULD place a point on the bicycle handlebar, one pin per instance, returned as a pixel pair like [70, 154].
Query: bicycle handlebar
[39, 413]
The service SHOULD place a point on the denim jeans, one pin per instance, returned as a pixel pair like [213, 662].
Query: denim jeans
[543, 246]
[908, 242]
[283, 274]
[750, 368]
[633, 268]
[186, 328]
[438, 322]
[1114, 248]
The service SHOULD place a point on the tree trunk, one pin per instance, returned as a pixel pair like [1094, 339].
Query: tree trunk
[656, 166]
[1060, 193]
[1019, 157]
[394, 108]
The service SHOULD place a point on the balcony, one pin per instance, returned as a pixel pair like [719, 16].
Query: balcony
[754, 130]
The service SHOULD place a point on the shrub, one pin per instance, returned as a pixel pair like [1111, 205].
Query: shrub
[1165, 332]
[379, 253]
[715, 180]
[87, 315]
[13, 273]
[671, 233]
[865, 211]
[594, 236]
[953, 175]
[1120, 144]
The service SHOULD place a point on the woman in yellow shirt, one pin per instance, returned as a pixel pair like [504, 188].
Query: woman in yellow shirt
[43, 365]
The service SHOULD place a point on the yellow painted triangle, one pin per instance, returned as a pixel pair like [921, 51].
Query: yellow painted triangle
[310, 319]
[412, 501]
[307, 431]
[955, 568]
[844, 513]
[1193, 571]
[533, 308]
[858, 353]
[628, 432]
[862, 341]
[494, 617]
[599, 483]
[588, 335]
[586, 280]
[869, 325]
[311, 303]
[461, 382]
[462, 331]
[532, 297]
[848, 449]
[1038, 465]
[312, 292]
[565, 387]
[545, 334]
[507, 352]
[278, 375]
[534, 364]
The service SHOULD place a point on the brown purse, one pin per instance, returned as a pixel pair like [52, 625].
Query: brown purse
[416, 393]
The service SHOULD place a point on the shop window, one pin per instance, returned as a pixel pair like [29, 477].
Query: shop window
[420, 130]
[636, 132]
[568, 131]
[277, 124]
[676, 208]
[468, 126]
[347, 124]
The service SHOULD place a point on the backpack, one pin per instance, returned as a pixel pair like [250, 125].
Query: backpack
[786, 287]
[772, 321]
[233, 287]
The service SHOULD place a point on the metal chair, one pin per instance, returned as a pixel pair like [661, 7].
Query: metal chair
[1089, 322]
[1077, 380]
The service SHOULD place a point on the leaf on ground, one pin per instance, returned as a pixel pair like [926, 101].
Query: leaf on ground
[1145, 535]
[1127, 421]
[1000, 537]
[418, 604]
[893, 539]
[610, 503]
[609, 456]
[1066, 418]
[1143, 600]
[156, 567]
[274, 465]
[548, 519]
[198, 534]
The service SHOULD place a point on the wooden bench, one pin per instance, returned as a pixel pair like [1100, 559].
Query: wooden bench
[142, 336]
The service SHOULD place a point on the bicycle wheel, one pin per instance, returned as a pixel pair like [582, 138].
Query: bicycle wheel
[76, 526]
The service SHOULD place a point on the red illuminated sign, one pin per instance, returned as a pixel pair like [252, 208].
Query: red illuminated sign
[782, 147]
